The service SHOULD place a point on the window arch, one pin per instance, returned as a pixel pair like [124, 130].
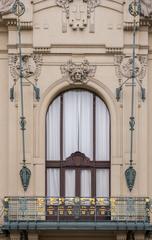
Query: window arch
[78, 145]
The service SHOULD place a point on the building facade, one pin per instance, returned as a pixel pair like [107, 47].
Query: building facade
[66, 94]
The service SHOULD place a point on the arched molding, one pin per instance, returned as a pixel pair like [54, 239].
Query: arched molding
[61, 85]
[115, 5]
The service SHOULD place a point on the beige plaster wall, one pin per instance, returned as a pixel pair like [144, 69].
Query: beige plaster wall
[42, 34]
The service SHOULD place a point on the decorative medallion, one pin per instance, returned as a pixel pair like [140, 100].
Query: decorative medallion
[124, 66]
[18, 8]
[25, 175]
[135, 8]
[31, 66]
[78, 72]
[130, 175]
[6, 6]
[77, 13]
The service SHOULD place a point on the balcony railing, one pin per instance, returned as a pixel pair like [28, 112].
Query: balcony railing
[76, 209]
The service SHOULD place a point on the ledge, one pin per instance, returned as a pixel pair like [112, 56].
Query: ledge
[105, 226]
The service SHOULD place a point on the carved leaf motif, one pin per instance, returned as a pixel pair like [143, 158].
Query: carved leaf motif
[92, 4]
[6, 6]
[146, 8]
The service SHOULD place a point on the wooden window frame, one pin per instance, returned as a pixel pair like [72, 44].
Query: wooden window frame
[78, 161]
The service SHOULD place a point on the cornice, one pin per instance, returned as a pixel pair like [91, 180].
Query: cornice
[41, 50]
[114, 50]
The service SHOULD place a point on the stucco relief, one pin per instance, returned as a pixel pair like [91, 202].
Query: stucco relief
[78, 72]
[31, 66]
[124, 65]
[146, 8]
[78, 14]
[6, 6]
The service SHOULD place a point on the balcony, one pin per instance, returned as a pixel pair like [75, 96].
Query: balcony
[44, 209]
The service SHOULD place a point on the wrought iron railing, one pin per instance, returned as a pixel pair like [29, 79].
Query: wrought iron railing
[76, 209]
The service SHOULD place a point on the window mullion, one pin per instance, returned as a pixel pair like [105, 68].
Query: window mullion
[62, 172]
[93, 170]
[94, 127]
[78, 182]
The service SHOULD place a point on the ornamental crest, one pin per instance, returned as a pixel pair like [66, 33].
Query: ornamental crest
[78, 72]
[31, 66]
[77, 13]
[124, 67]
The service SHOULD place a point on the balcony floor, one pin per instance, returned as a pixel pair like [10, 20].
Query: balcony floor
[104, 226]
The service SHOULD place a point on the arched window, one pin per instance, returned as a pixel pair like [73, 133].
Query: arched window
[78, 146]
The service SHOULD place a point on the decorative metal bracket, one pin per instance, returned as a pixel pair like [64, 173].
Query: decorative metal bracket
[20, 70]
[131, 68]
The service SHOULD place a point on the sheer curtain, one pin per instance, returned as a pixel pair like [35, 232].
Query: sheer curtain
[102, 182]
[85, 110]
[53, 182]
[70, 183]
[85, 183]
[77, 123]
[53, 130]
[102, 131]
[70, 123]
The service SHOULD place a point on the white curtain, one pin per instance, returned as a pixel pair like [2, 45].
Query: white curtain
[53, 131]
[102, 131]
[85, 109]
[77, 123]
[85, 183]
[53, 182]
[70, 122]
[70, 183]
[102, 182]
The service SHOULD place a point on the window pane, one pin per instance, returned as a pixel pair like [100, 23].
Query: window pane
[78, 123]
[85, 183]
[102, 182]
[85, 111]
[102, 131]
[70, 183]
[53, 182]
[53, 131]
[70, 123]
